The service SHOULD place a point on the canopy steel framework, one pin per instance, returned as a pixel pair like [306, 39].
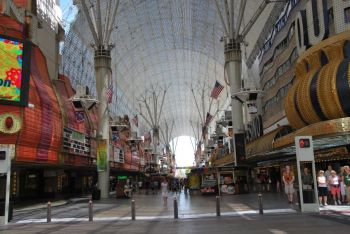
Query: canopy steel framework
[177, 44]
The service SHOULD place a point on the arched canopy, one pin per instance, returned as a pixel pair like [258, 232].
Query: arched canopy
[173, 44]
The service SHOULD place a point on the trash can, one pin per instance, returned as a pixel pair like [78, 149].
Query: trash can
[96, 194]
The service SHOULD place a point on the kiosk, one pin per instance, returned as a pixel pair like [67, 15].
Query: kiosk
[5, 171]
[306, 161]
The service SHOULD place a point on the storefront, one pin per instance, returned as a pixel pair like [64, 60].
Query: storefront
[209, 183]
[226, 184]
[194, 182]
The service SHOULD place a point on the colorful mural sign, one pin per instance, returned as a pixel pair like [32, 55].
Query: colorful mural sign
[101, 155]
[11, 71]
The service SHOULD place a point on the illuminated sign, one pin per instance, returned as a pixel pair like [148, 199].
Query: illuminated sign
[304, 143]
[14, 71]
[75, 142]
[10, 123]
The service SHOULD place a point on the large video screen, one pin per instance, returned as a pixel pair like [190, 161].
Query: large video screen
[14, 71]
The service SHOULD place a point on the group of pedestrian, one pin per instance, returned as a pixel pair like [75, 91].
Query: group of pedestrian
[334, 185]
[330, 184]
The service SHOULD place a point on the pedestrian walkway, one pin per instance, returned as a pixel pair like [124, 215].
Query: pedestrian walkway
[150, 207]
[273, 224]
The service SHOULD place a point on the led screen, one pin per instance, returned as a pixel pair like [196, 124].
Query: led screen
[14, 71]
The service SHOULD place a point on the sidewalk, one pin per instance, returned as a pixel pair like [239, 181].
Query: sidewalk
[43, 205]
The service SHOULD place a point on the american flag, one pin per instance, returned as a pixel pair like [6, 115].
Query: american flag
[208, 119]
[216, 90]
[135, 120]
[109, 93]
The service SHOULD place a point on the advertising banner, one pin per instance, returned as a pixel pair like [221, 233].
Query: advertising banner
[101, 155]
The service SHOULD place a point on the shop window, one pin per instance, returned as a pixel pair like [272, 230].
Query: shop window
[347, 15]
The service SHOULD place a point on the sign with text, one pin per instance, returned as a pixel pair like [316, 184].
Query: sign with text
[75, 142]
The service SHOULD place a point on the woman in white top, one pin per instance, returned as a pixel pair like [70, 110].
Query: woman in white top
[322, 188]
[334, 182]
[164, 188]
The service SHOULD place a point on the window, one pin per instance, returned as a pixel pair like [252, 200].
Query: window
[347, 15]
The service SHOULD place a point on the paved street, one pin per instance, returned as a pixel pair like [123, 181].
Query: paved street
[277, 224]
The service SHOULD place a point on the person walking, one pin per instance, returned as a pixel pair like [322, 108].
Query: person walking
[164, 189]
[334, 183]
[140, 186]
[288, 180]
[322, 188]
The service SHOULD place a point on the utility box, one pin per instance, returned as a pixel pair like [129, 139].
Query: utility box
[307, 182]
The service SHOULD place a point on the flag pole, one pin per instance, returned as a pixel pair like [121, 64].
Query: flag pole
[211, 102]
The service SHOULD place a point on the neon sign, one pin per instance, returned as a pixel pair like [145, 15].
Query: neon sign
[14, 71]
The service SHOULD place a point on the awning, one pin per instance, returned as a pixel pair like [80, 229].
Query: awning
[265, 143]
[335, 128]
[326, 135]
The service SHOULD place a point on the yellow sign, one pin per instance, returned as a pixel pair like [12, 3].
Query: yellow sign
[194, 181]
[101, 155]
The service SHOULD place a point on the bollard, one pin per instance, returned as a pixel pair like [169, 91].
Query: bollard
[218, 206]
[176, 212]
[261, 210]
[91, 215]
[133, 209]
[48, 218]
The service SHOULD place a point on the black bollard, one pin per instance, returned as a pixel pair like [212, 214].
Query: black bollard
[218, 206]
[176, 212]
[91, 215]
[48, 218]
[261, 210]
[133, 209]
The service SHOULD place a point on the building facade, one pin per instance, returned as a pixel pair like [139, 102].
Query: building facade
[51, 138]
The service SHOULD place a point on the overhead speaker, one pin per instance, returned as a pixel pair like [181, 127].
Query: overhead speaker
[253, 96]
[77, 104]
